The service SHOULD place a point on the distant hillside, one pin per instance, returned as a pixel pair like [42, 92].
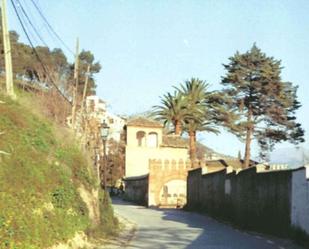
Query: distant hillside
[44, 179]
[208, 153]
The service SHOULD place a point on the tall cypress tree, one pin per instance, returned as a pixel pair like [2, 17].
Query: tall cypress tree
[263, 104]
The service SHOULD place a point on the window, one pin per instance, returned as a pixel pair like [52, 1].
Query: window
[152, 140]
[140, 136]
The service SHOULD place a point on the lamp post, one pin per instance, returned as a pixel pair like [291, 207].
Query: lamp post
[104, 131]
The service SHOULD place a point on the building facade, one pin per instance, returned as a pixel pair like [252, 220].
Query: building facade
[157, 160]
[96, 108]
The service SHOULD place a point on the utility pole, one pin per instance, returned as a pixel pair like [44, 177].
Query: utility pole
[83, 111]
[7, 52]
[85, 89]
[75, 87]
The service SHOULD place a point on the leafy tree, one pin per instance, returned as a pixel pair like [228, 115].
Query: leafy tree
[86, 58]
[262, 104]
[21, 54]
[55, 63]
[26, 66]
[115, 161]
[57, 70]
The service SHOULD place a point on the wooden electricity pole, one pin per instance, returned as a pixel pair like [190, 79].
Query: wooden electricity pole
[85, 89]
[7, 52]
[75, 87]
[84, 120]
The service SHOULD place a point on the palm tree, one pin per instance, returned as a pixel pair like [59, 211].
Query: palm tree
[201, 111]
[191, 108]
[172, 111]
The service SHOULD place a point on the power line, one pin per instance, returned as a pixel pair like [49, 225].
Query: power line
[34, 28]
[50, 27]
[28, 10]
[30, 31]
[36, 53]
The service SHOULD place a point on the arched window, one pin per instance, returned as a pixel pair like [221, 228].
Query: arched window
[140, 136]
[152, 140]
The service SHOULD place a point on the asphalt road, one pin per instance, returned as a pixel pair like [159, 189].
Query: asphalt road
[169, 228]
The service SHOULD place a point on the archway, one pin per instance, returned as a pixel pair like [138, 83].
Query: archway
[141, 138]
[173, 193]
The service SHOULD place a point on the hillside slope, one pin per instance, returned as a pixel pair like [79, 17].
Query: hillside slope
[41, 171]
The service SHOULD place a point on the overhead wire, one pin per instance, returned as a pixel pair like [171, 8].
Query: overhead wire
[31, 24]
[30, 31]
[36, 53]
[33, 17]
[51, 28]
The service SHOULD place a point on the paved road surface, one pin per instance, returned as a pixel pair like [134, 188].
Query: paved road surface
[166, 229]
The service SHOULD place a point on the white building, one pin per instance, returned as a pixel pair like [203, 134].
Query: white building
[95, 105]
[116, 125]
[97, 108]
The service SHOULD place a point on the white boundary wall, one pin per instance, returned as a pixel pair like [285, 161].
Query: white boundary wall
[300, 199]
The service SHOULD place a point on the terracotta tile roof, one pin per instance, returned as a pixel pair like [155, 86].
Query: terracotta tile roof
[235, 164]
[144, 122]
[174, 141]
[216, 163]
[134, 178]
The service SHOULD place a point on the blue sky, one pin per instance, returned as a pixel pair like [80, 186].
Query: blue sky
[146, 47]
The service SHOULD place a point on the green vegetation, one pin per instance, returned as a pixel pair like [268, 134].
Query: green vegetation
[40, 172]
[192, 108]
[255, 104]
[41, 165]
[29, 70]
[108, 225]
[264, 104]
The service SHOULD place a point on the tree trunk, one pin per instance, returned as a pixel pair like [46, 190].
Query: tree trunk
[177, 127]
[249, 132]
[192, 138]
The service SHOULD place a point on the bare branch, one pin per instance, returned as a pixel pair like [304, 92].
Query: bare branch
[5, 153]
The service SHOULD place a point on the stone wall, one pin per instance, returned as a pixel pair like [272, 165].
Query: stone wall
[136, 189]
[147, 189]
[269, 201]
[161, 172]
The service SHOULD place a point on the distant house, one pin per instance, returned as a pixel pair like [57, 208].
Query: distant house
[219, 164]
[95, 105]
[96, 108]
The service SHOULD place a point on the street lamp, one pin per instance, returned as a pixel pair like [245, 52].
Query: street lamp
[104, 131]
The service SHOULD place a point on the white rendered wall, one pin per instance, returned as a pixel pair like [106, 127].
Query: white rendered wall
[137, 157]
[300, 199]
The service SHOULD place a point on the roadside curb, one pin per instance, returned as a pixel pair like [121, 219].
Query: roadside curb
[128, 232]
[126, 235]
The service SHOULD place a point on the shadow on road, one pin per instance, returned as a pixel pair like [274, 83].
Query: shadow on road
[170, 228]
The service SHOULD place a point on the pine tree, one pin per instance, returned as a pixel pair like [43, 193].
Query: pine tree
[263, 105]
[239, 155]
